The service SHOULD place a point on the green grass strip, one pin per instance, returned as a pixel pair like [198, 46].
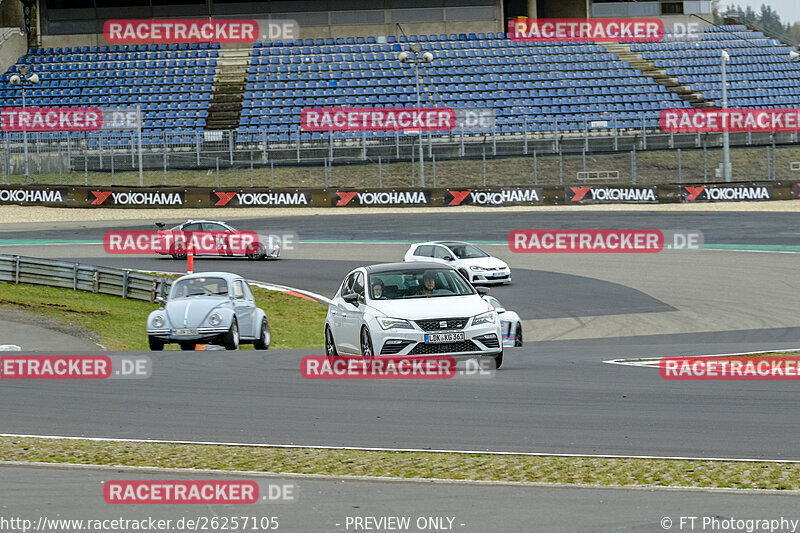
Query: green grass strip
[410, 465]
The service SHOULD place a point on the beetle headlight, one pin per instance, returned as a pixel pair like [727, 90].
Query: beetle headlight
[484, 318]
[398, 323]
[158, 321]
[215, 319]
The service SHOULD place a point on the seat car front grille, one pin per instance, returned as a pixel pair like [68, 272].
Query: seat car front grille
[436, 324]
[444, 347]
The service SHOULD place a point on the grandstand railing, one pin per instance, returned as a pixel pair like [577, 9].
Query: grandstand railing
[112, 152]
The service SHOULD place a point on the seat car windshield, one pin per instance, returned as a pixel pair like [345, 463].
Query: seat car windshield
[199, 287]
[407, 284]
[467, 251]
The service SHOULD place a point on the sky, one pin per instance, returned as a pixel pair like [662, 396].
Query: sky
[789, 10]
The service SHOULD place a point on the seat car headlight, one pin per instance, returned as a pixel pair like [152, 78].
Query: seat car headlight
[215, 319]
[396, 323]
[158, 321]
[473, 267]
[484, 318]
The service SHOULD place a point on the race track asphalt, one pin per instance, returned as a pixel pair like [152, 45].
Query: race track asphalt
[324, 505]
[553, 395]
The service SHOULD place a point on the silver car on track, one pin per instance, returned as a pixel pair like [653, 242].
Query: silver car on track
[209, 308]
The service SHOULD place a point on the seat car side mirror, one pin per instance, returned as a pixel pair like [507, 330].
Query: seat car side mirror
[351, 298]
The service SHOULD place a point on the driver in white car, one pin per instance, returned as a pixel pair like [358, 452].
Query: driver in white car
[429, 283]
[377, 289]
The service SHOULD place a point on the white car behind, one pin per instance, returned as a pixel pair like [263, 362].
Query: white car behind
[510, 323]
[473, 263]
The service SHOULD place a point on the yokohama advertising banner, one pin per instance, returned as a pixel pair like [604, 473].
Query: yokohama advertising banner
[136, 197]
[261, 198]
[494, 197]
[381, 197]
[56, 196]
[726, 193]
[601, 194]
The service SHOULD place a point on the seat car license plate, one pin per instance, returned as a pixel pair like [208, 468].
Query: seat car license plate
[184, 331]
[444, 337]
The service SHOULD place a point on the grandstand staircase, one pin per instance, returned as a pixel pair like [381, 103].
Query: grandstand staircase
[227, 94]
[660, 76]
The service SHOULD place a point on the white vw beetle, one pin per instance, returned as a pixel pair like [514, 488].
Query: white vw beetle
[209, 308]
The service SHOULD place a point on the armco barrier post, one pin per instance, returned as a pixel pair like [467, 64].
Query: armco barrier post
[125, 275]
[251, 168]
[535, 170]
[680, 167]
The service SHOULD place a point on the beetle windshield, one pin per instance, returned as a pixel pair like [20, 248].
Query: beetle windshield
[199, 287]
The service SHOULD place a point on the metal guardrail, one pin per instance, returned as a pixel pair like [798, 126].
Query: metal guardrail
[90, 278]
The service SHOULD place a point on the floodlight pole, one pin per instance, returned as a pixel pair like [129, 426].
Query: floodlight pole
[726, 147]
[416, 60]
[421, 150]
[25, 133]
[25, 77]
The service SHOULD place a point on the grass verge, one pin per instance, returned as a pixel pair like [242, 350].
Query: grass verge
[119, 324]
[410, 465]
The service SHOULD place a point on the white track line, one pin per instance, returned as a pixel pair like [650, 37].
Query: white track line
[368, 449]
[652, 362]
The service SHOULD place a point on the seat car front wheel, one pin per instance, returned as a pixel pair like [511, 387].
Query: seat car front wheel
[366, 343]
[330, 345]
